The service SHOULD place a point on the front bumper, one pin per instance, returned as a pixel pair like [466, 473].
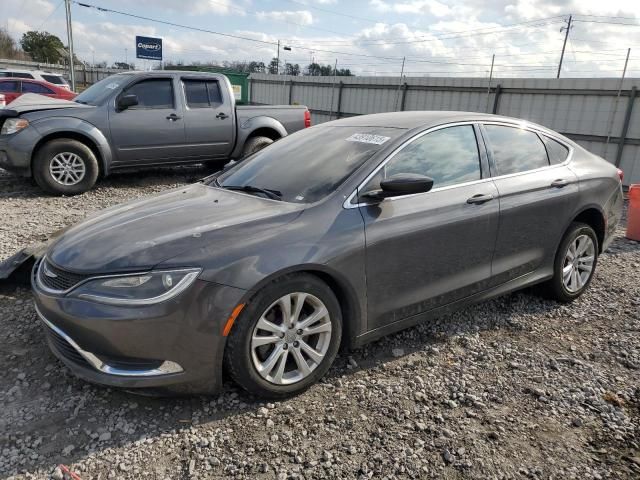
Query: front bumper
[177, 343]
[16, 150]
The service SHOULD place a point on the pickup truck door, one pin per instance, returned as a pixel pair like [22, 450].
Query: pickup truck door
[151, 132]
[209, 118]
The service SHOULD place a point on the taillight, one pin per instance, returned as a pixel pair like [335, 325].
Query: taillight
[307, 119]
[621, 174]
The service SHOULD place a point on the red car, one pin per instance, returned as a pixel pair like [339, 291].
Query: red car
[12, 88]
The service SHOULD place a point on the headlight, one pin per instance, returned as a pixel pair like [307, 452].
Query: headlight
[13, 125]
[137, 289]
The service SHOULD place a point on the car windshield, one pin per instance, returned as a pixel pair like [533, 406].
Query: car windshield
[308, 165]
[98, 92]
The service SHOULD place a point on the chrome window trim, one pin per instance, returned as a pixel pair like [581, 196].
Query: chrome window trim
[167, 367]
[514, 124]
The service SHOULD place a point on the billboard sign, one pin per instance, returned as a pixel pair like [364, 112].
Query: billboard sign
[149, 48]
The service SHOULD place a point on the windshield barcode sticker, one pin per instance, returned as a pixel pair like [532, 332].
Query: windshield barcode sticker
[367, 138]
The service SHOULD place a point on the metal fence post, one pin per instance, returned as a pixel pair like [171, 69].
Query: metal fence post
[250, 86]
[625, 127]
[405, 87]
[496, 99]
[339, 107]
[290, 90]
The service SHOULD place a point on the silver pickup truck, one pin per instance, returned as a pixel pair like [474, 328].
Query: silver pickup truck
[136, 119]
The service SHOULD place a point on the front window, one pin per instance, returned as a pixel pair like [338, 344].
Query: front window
[152, 93]
[309, 165]
[97, 93]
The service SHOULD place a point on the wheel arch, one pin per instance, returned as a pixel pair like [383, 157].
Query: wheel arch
[594, 217]
[341, 288]
[79, 137]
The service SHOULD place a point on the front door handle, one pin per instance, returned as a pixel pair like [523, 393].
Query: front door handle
[173, 117]
[480, 198]
[222, 116]
[559, 183]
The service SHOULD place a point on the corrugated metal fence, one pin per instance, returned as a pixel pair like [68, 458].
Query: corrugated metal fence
[587, 110]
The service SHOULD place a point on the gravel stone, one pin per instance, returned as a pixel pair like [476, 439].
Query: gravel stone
[516, 387]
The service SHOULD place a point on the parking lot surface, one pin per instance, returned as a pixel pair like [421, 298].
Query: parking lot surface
[518, 387]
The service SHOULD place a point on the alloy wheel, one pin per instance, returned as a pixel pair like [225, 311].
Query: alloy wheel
[67, 168]
[578, 263]
[291, 338]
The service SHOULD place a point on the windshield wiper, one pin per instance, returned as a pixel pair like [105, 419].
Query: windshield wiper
[272, 194]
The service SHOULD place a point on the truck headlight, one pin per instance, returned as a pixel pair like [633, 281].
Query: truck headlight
[137, 289]
[13, 125]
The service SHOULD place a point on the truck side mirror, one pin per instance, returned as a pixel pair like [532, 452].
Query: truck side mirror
[127, 101]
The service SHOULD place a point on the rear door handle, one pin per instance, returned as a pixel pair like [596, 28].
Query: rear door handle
[173, 117]
[559, 183]
[222, 116]
[480, 198]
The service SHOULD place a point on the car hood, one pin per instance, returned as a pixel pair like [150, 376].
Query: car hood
[32, 102]
[141, 234]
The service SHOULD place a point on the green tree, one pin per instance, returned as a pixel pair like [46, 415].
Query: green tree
[292, 69]
[273, 66]
[42, 46]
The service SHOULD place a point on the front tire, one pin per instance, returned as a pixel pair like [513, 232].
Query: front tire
[575, 263]
[286, 338]
[65, 167]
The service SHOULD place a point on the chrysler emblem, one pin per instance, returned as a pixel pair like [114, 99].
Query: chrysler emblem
[48, 272]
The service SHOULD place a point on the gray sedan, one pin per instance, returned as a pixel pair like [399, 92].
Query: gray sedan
[335, 235]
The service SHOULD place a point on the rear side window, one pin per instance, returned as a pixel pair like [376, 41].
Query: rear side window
[515, 149]
[449, 156]
[153, 93]
[8, 86]
[21, 75]
[202, 94]
[28, 87]
[558, 153]
[55, 79]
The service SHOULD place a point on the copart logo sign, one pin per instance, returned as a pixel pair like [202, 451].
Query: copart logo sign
[149, 48]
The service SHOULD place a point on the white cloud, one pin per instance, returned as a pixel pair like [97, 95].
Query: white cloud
[300, 17]
[195, 7]
[415, 7]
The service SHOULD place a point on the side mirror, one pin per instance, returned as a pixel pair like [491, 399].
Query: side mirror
[401, 184]
[127, 101]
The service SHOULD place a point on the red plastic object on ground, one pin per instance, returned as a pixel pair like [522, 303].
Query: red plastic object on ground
[633, 215]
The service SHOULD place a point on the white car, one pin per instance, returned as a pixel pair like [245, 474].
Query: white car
[54, 78]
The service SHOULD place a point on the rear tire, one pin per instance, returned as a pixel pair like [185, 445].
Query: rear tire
[255, 144]
[65, 167]
[250, 347]
[575, 264]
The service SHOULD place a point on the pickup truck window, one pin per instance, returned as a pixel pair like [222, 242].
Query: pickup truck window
[202, 94]
[152, 93]
[100, 91]
[310, 164]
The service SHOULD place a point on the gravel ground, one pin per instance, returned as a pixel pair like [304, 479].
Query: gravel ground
[517, 387]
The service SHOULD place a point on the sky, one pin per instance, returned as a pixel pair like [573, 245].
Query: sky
[370, 37]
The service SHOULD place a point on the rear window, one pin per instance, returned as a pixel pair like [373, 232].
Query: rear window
[516, 149]
[202, 94]
[21, 75]
[55, 79]
[28, 87]
[8, 86]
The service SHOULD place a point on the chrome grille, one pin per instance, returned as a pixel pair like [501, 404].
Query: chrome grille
[58, 279]
[65, 349]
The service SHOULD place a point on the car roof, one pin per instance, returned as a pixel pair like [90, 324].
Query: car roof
[414, 119]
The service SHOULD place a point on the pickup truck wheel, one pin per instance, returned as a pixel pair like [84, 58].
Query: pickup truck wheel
[65, 167]
[254, 144]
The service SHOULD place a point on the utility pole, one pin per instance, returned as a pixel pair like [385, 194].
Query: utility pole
[493, 58]
[278, 60]
[615, 107]
[126, 57]
[333, 84]
[399, 84]
[564, 44]
[72, 73]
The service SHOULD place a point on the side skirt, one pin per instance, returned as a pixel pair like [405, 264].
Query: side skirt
[526, 280]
